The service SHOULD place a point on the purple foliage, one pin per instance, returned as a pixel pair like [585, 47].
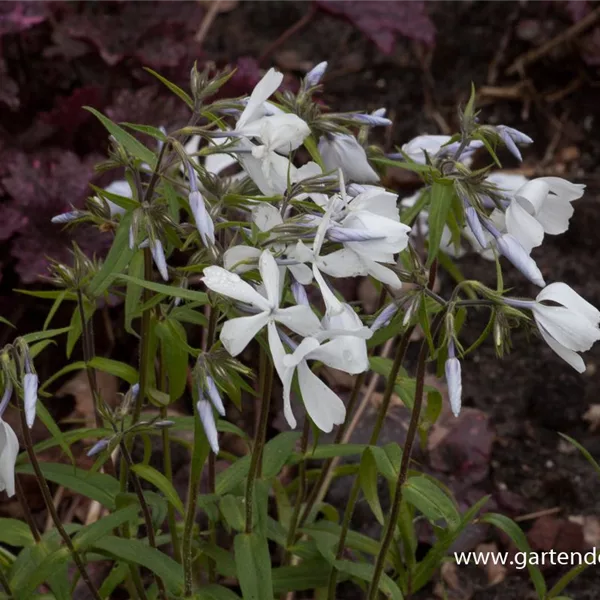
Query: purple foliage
[383, 21]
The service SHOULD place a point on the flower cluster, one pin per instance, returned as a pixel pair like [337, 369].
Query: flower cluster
[274, 230]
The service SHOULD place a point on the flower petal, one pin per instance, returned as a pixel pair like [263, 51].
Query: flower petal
[570, 329]
[332, 305]
[569, 298]
[525, 228]
[237, 258]
[9, 450]
[233, 286]
[265, 88]
[322, 404]
[555, 214]
[269, 272]
[563, 188]
[236, 334]
[265, 216]
[205, 412]
[300, 319]
[569, 356]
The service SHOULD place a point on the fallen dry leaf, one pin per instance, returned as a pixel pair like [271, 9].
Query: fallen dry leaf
[496, 573]
[592, 416]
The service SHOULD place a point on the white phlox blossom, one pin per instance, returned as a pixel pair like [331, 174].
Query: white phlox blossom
[242, 258]
[417, 148]
[9, 446]
[568, 326]
[345, 351]
[343, 151]
[237, 333]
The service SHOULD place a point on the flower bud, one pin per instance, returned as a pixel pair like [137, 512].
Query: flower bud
[314, 76]
[384, 317]
[8, 390]
[516, 254]
[205, 412]
[30, 397]
[511, 137]
[299, 293]
[475, 226]
[454, 380]
[158, 254]
[67, 217]
[370, 120]
[215, 397]
[98, 447]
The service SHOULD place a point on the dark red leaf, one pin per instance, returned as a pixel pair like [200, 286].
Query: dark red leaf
[382, 21]
[20, 16]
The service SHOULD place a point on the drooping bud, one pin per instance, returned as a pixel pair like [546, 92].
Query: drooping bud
[299, 293]
[475, 226]
[215, 397]
[346, 234]
[372, 120]
[205, 412]
[454, 380]
[511, 137]
[516, 254]
[67, 217]
[8, 390]
[30, 397]
[158, 254]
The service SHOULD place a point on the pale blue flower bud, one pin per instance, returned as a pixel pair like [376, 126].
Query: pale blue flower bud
[205, 412]
[131, 238]
[314, 76]
[135, 390]
[164, 424]
[299, 293]
[454, 381]
[370, 120]
[98, 447]
[511, 137]
[475, 226]
[67, 217]
[158, 254]
[204, 223]
[30, 397]
[354, 189]
[384, 317]
[517, 255]
[215, 397]
[287, 340]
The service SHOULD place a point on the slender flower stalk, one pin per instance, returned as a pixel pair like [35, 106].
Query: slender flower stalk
[49, 500]
[151, 533]
[266, 382]
[35, 532]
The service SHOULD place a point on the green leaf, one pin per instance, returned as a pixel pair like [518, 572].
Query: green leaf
[134, 291]
[571, 574]
[115, 367]
[76, 326]
[427, 497]
[96, 486]
[173, 338]
[54, 430]
[133, 146]
[36, 336]
[168, 290]
[116, 260]
[47, 294]
[15, 533]
[365, 573]
[174, 88]
[277, 451]
[157, 479]
[232, 509]
[308, 575]
[232, 476]
[55, 306]
[367, 474]
[408, 164]
[215, 592]
[514, 532]
[75, 366]
[311, 145]
[115, 577]
[253, 565]
[408, 215]
[138, 552]
[148, 130]
[439, 207]
[90, 534]
[332, 450]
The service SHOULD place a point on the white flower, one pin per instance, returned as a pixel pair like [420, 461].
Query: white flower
[30, 397]
[255, 107]
[205, 412]
[237, 333]
[158, 255]
[242, 258]
[9, 449]
[342, 151]
[541, 206]
[347, 351]
[454, 380]
[568, 328]
[432, 145]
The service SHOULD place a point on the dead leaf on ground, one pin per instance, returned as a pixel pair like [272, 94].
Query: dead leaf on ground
[592, 416]
[79, 388]
[495, 573]
[590, 525]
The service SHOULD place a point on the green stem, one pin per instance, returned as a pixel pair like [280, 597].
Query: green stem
[167, 460]
[137, 486]
[317, 488]
[26, 510]
[354, 492]
[198, 458]
[293, 528]
[212, 459]
[266, 382]
[49, 500]
[390, 526]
